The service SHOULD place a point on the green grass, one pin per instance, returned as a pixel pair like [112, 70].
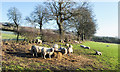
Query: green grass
[109, 57]
[10, 36]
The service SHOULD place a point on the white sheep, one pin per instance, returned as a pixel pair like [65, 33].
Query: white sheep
[55, 46]
[49, 51]
[98, 53]
[35, 50]
[70, 50]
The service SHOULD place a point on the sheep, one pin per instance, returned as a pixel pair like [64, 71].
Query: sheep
[67, 45]
[87, 47]
[107, 45]
[70, 50]
[35, 50]
[76, 41]
[82, 46]
[38, 41]
[55, 46]
[98, 53]
[63, 50]
[49, 51]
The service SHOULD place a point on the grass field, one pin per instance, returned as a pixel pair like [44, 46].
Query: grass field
[109, 57]
[10, 36]
[108, 60]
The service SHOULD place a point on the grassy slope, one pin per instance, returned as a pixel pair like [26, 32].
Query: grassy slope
[109, 57]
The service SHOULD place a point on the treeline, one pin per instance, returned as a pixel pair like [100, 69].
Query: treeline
[106, 39]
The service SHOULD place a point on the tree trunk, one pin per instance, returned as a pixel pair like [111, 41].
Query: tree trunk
[61, 31]
[83, 37]
[60, 22]
[40, 27]
[79, 38]
[17, 34]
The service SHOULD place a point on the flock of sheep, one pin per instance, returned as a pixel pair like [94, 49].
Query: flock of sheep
[35, 50]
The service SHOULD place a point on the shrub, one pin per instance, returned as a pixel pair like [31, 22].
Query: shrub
[28, 33]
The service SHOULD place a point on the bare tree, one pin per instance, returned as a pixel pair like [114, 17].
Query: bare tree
[14, 15]
[38, 16]
[85, 23]
[31, 20]
[62, 12]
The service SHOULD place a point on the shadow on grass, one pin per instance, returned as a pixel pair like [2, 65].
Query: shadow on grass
[27, 55]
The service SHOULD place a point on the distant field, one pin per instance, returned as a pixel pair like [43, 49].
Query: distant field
[10, 36]
[6, 35]
[109, 58]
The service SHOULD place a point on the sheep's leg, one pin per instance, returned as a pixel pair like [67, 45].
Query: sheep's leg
[49, 56]
[41, 55]
[44, 56]
[33, 54]
[68, 54]
[36, 55]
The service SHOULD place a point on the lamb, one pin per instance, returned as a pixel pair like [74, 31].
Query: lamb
[98, 53]
[70, 50]
[49, 51]
[55, 46]
[35, 50]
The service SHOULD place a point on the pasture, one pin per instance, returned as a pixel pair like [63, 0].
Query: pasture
[17, 57]
[109, 57]
[10, 36]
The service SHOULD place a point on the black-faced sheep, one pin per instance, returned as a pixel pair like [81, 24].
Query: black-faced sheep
[38, 41]
[49, 51]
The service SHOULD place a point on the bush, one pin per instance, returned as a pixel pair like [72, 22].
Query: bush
[28, 33]
[49, 36]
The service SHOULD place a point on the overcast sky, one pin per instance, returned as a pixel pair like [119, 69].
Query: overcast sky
[106, 15]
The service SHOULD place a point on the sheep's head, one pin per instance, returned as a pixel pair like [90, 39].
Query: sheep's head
[70, 46]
